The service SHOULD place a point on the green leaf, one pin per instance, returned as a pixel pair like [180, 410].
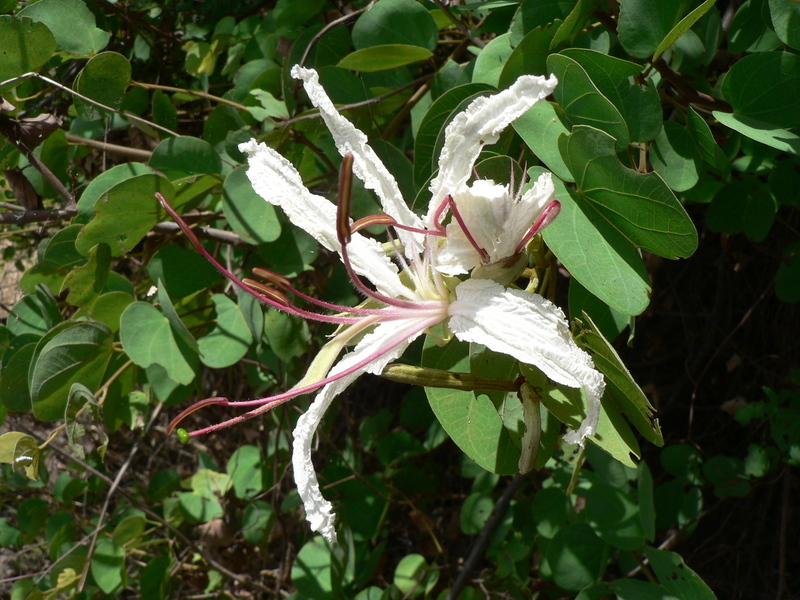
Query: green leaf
[529, 57]
[785, 17]
[414, 577]
[108, 565]
[597, 255]
[403, 22]
[104, 182]
[475, 512]
[104, 79]
[682, 27]
[125, 213]
[583, 103]
[383, 58]
[129, 528]
[246, 470]
[77, 398]
[257, 522]
[20, 450]
[635, 589]
[247, 212]
[470, 418]
[14, 389]
[491, 61]
[86, 282]
[26, 46]
[178, 327]
[35, 313]
[760, 131]
[155, 578]
[616, 79]
[745, 205]
[765, 87]
[228, 342]
[674, 157]
[640, 206]
[540, 129]
[164, 111]
[186, 154]
[106, 309]
[311, 571]
[147, 337]
[644, 25]
[71, 353]
[184, 272]
[614, 516]
[577, 557]
[674, 575]
[609, 321]
[704, 140]
[435, 120]
[750, 30]
[287, 335]
[647, 510]
[72, 24]
[627, 396]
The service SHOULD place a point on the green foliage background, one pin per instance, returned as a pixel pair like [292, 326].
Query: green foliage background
[673, 135]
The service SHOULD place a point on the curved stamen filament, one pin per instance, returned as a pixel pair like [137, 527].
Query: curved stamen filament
[549, 213]
[267, 404]
[266, 299]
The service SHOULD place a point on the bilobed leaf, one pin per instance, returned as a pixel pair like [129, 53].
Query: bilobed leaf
[615, 78]
[396, 22]
[104, 182]
[125, 213]
[86, 282]
[640, 206]
[247, 212]
[105, 78]
[228, 342]
[596, 254]
[72, 24]
[620, 385]
[72, 352]
[25, 46]
[582, 101]
[383, 58]
[147, 337]
[765, 87]
[470, 418]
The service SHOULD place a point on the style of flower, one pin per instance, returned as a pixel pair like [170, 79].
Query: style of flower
[489, 227]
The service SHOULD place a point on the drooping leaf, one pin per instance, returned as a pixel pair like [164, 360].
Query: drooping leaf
[682, 27]
[22, 452]
[383, 58]
[640, 206]
[228, 342]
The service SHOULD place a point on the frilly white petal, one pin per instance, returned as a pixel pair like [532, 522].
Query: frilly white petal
[277, 181]
[534, 331]
[319, 511]
[482, 123]
[366, 164]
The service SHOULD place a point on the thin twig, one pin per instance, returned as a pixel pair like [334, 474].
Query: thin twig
[114, 485]
[190, 92]
[36, 216]
[136, 153]
[207, 233]
[483, 537]
[459, 24]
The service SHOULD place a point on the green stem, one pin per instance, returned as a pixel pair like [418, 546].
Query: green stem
[439, 378]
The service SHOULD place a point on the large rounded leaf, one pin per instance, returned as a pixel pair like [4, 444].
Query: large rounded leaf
[186, 154]
[73, 352]
[247, 212]
[104, 79]
[577, 557]
[227, 343]
[24, 46]
[396, 22]
[72, 24]
[383, 58]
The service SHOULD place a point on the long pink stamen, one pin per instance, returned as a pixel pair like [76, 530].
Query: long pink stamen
[269, 300]
[454, 209]
[549, 213]
[267, 404]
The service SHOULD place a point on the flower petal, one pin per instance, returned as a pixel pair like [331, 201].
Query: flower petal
[366, 165]
[393, 335]
[534, 331]
[277, 181]
[481, 123]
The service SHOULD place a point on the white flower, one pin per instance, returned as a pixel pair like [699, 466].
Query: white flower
[493, 226]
